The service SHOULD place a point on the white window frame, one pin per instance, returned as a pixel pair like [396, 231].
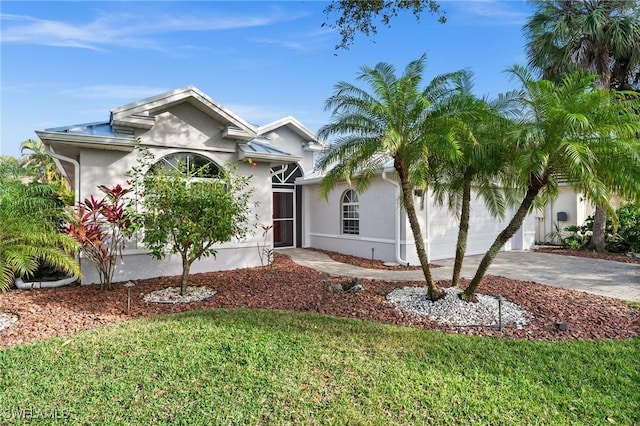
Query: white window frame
[350, 213]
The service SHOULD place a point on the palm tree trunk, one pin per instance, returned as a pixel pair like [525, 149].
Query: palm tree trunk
[535, 185]
[598, 238]
[599, 235]
[463, 230]
[434, 292]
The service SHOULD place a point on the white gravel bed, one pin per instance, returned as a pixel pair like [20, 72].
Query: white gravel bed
[7, 320]
[451, 310]
[172, 295]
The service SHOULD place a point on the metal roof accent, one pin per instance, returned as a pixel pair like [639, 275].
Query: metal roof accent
[93, 129]
[257, 150]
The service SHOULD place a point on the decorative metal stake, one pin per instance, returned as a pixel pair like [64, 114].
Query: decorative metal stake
[324, 281]
[128, 285]
[500, 299]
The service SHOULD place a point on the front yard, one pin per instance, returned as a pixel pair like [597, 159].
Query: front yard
[269, 348]
[252, 366]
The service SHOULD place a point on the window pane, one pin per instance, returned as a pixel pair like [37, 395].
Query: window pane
[283, 205]
[283, 233]
[350, 213]
[187, 161]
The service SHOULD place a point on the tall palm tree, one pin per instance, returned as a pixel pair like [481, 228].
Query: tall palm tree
[597, 36]
[29, 237]
[44, 169]
[480, 126]
[396, 121]
[565, 129]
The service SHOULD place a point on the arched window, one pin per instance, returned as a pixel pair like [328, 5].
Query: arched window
[193, 165]
[350, 213]
[285, 176]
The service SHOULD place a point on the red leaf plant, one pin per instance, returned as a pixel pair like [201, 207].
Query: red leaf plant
[99, 226]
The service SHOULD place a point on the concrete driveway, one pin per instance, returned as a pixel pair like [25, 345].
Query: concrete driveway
[603, 277]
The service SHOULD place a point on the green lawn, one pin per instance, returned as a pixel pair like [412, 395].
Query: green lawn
[266, 367]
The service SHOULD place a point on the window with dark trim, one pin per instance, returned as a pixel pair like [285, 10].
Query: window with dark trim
[350, 213]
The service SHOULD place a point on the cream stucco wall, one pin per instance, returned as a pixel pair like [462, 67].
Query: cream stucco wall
[176, 130]
[577, 207]
[137, 263]
[288, 141]
[183, 126]
[378, 207]
[377, 222]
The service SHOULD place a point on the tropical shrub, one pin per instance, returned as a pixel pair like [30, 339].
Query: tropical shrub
[99, 226]
[39, 165]
[30, 237]
[629, 226]
[623, 238]
[575, 237]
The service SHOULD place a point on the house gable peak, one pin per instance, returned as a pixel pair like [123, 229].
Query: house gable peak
[141, 114]
[310, 141]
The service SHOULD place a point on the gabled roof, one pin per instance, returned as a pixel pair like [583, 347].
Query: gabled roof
[141, 114]
[310, 140]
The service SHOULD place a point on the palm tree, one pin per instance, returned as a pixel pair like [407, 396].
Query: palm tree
[483, 165]
[44, 169]
[598, 36]
[565, 129]
[11, 168]
[29, 236]
[396, 121]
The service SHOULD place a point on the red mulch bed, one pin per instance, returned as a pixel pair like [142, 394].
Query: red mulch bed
[616, 257]
[368, 263]
[288, 286]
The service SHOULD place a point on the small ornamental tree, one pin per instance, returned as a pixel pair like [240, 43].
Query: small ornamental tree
[181, 212]
[99, 226]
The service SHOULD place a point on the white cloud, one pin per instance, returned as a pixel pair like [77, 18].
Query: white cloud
[127, 30]
[300, 42]
[491, 12]
[287, 44]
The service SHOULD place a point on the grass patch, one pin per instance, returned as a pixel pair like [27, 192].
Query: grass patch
[633, 304]
[265, 367]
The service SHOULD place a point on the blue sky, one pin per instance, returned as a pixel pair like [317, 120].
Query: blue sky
[70, 62]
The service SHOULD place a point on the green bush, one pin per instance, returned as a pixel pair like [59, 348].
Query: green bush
[629, 226]
[576, 237]
[627, 237]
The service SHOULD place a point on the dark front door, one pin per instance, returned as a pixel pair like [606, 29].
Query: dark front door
[283, 218]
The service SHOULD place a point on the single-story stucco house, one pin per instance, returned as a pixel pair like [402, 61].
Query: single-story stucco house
[187, 123]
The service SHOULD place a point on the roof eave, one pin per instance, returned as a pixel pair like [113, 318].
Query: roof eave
[137, 121]
[308, 181]
[238, 134]
[88, 141]
[315, 147]
[270, 158]
[292, 123]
